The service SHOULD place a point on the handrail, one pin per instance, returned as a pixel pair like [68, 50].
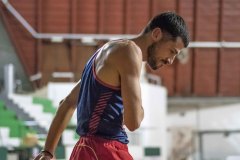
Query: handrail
[90, 38]
[37, 35]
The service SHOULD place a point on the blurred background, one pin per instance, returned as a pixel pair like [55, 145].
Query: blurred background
[192, 107]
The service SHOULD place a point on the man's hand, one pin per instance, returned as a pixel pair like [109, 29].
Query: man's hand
[43, 156]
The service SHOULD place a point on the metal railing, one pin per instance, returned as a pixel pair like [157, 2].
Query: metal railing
[90, 38]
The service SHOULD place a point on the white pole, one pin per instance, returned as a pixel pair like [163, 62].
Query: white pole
[9, 84]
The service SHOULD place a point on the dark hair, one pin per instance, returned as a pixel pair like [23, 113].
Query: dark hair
[171, 23]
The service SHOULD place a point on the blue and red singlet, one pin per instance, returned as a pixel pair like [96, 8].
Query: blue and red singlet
[100, 107]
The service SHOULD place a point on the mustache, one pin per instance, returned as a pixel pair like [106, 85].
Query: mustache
[164, 61]
[156, 65]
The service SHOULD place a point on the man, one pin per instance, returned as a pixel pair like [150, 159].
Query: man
[109, 97]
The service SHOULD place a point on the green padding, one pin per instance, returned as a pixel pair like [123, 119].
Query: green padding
[46, 103]
[9, 119]
[2, 108]
[152, 151]
[60, 152]
[7, 114]
[3, 153]
[17, 128]
[2, 103]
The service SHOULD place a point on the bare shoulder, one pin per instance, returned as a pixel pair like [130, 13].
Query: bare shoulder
[124, 47]
[125, 52]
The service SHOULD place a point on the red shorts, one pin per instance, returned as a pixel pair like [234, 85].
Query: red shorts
[96, 148]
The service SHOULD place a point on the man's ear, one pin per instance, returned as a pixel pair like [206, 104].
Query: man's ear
[156, 34]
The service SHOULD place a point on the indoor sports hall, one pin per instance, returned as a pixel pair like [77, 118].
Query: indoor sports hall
[191, 108]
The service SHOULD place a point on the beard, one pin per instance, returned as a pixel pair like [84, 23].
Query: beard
[151, 59]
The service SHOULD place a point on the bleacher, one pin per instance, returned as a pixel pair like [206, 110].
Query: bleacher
[42, 111]
[12, 130]
[46, 104]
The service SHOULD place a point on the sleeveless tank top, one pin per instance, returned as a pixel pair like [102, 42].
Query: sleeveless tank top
[100, 107]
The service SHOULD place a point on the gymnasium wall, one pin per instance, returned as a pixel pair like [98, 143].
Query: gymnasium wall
[207, 72]
[214, 131]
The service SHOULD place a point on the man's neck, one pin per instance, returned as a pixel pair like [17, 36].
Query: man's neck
[142, 42]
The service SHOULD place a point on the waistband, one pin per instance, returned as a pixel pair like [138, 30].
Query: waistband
[102, 141]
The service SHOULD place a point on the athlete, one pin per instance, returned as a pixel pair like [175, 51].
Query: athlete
[108, 97]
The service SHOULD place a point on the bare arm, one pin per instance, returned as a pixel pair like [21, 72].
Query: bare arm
[129, 66]
[64, 113]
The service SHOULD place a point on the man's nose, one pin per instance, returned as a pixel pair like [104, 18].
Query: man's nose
[170, 60]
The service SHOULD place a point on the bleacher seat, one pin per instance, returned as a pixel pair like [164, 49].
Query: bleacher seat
[43, 111]
[11, 128]
[4, 132]
[46, 103]
[6, 140]
[49, 108]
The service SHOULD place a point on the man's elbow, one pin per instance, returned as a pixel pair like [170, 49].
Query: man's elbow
[134, 122]
[133, 126]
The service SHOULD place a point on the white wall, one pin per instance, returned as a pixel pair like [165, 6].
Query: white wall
[57, 91]
[226, 117]
[220, 117]
[152, 132]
